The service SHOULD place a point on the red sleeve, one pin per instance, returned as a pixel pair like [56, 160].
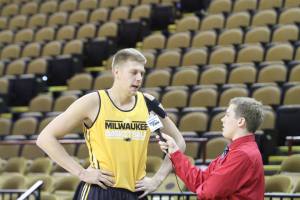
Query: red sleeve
[192, 176]
[215, 182]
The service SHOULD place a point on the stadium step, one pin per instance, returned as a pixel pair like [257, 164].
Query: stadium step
[276, 159]
[271, 169]
[283, 150]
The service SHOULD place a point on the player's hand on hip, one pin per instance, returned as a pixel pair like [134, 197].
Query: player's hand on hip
[147, 185]
[98, 177]
[168, 146]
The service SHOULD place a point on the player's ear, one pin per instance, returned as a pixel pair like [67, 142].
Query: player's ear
[115, 71]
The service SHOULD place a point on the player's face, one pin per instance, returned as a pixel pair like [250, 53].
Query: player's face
[131, 75]
[230, 122]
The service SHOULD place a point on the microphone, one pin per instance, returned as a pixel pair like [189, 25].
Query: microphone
[155, 125]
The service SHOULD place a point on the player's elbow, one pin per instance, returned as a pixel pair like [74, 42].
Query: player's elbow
[41, 140]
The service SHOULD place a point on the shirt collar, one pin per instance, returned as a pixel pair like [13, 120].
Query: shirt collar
[243, 139]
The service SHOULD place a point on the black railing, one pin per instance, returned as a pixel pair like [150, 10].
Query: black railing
[192, 196]
[281, 196]
[10, 193]
[171, 196]
[290, 141]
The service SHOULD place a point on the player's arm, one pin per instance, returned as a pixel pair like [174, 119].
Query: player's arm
[85, 110]
[170, 129]
[168, 125]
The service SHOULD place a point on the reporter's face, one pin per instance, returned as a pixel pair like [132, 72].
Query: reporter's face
[130, 76]
[229, 122]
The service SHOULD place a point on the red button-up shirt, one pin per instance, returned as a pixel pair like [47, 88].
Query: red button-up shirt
[237, 175]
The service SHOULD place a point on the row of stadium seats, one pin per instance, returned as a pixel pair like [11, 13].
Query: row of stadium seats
[36, 50]
[32, 152]
[210, 22]
[163, 59]
[63, 187]
[263, 34]
[31, 165]
[79, 17]
[242, 74]
[216, 74]
[240, 19]
[189, 119]
[67, 32]
[170, 58]
[42, 165]
[175, 76]
[210, 38]
[223, 55]
[268, 94]
[50, 7]
[54, 188]
[220, 74]
[192, 75]
[227, 6]
[181, 96]
[185, 76]
[224, 6]
[29, 125]
[214, 147]
[188, 23]
[282, 183]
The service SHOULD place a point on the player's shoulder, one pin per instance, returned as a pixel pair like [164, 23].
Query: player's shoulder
[92, 97]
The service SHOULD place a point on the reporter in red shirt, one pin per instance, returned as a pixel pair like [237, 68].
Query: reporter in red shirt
[237, 173]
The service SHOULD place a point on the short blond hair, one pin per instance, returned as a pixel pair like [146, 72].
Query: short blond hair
[250, 109]
[128, 54]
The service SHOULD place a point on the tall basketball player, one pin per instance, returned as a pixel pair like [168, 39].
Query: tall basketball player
[116, 134]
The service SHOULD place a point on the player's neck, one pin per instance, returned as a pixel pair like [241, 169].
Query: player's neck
[120, 98]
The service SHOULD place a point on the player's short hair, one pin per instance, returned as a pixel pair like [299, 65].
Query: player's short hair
[128, 54]
[250, 109]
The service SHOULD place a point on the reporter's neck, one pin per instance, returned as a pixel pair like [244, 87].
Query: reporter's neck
[240, 134]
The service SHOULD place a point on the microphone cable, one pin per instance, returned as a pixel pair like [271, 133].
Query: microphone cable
[173, 166]
[177, 182]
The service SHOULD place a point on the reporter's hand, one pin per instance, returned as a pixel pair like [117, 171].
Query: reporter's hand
[169, 144]
[97, 176]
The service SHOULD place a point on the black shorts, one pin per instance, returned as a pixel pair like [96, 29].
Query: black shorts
[94, 192]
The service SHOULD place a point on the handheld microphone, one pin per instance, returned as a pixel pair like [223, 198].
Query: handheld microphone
[155, 125]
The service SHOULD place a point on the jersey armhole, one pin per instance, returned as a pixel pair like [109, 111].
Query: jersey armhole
[147, 101]
[99, 107]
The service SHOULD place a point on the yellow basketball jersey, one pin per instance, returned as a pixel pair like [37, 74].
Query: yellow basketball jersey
[118, 141]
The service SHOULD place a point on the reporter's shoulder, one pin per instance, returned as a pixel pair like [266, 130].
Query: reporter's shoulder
[241, 154]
